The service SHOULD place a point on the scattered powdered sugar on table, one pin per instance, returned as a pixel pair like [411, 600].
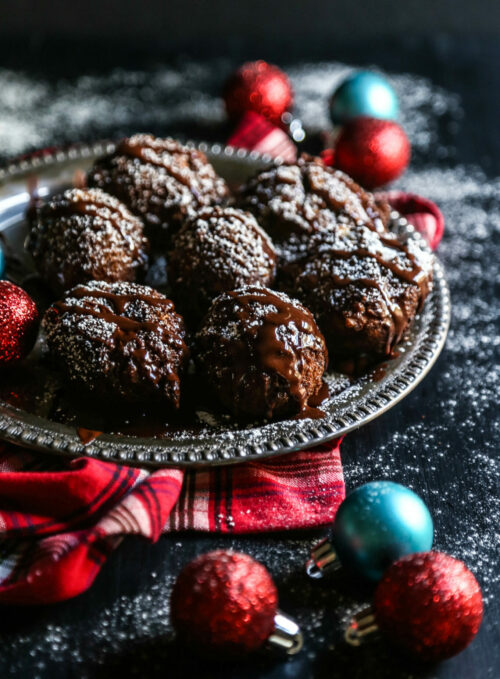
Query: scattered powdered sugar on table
[460, 391]
[467, 379]
[35, 113]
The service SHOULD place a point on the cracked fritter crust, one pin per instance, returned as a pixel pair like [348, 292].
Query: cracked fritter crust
[218, 250]
[85, 235]
[160, 180]
[261, 353]
[119, 340]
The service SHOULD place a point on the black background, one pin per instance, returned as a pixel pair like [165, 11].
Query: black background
[456, 47]
[262, 27]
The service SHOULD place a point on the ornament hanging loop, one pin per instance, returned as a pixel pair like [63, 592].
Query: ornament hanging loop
[362, 625]
[286, 637]
[323, 560]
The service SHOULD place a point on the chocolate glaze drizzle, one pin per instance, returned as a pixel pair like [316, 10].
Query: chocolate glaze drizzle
[163, 153]
[160, 180]
[325, 246]
[147, 339]
[88, 436]
[218, 249]
[120, 302]
[306, 198]
[94, 203]
[279, 352]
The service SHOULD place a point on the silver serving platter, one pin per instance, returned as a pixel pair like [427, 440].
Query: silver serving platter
[354, 405]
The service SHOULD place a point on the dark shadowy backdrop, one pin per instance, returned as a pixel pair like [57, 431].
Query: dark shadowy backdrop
[442, 440]
[312, 28]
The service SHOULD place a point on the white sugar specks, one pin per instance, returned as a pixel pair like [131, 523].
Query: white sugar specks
[460, 482]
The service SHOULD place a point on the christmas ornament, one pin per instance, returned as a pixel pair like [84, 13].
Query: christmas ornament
[363, 93]
[372, 151]
[422, 213]
[2, 262]
[256, 133]
[260, 87]
[375, 525]
[430, 604]
[226, 602]
[18, 323]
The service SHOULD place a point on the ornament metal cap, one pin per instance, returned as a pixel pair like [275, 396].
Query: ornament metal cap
[362, 626]
[286, 637]
[323, 559]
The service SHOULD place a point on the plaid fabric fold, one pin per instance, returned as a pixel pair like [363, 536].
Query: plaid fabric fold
[256, 133]
[59, 520]
[421, 212]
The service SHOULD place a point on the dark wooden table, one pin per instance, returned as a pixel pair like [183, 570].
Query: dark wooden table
[442, 440]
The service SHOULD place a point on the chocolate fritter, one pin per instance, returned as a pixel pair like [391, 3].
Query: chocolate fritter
[262, 353]
[119, 340]
[292, 202]
[218, 250]
[160, 180]
[364, 287]
[85, 235]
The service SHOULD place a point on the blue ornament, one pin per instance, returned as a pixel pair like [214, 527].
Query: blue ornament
[363, 93]
[2, 262]
[375, 525]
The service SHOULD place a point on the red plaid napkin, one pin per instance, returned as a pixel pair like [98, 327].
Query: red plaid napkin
[425, 215]
[255, 133]
[59, 519]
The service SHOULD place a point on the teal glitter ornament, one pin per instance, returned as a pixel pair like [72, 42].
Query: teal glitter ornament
[364, 93]
[375, 525]
[2, 262]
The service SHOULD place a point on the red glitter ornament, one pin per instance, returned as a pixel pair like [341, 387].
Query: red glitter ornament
[429, 603]
[224, 601]
[260, 87]
[372, 151]
[18, 323]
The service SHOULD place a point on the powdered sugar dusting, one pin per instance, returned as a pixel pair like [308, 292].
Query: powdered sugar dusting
[120, 339]
[159, 179]
[305, 198]
[218, 250]
[84, 235]
[459, 484]
[35, 113]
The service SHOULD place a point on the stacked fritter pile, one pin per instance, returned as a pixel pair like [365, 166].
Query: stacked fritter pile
[300, 259]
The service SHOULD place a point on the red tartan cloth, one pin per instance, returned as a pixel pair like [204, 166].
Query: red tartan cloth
[425, 215]
[255, 133]
[60, 519]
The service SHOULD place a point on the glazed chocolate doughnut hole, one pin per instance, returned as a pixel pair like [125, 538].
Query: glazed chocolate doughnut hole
[218, 250]
[160, 180]
[120, 341]
[363, 286]
[293, 202]
[84, 235]
[261, 353]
